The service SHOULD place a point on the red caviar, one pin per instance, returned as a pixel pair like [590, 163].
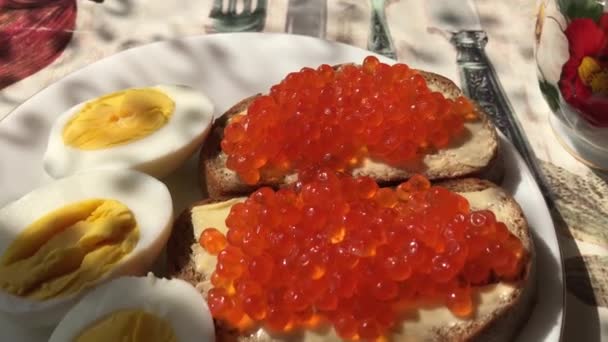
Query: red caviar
[212, 240]
[335, 119]
[339, 250]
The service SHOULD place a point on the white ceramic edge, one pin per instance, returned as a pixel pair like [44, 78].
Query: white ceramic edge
[538, 215]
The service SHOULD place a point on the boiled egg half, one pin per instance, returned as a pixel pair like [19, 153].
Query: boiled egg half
[139, 309]
[153, 130]
[68, 236]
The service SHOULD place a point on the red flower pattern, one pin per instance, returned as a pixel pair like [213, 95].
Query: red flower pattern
[586, 38]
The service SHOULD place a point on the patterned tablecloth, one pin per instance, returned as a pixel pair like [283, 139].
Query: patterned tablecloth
[43, 40]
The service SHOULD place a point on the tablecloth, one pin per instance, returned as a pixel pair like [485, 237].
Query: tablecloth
[59, 36]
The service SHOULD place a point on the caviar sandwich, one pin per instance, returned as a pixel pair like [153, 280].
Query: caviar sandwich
[386, 122]
[338, 258]
[303, 239]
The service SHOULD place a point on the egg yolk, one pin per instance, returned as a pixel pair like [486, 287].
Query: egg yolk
[68, 249]
[118, 118]
[129, 325]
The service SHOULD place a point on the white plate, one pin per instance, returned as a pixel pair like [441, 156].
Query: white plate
[228, 68]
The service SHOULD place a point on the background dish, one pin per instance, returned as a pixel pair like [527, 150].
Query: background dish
[227, 68]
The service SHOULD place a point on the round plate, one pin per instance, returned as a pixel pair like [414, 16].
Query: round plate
[229, 67]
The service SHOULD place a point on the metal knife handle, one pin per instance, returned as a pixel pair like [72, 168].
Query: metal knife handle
[481, 84]
[379, 40]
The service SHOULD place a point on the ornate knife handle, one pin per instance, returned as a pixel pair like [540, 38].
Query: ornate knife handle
[481, 84]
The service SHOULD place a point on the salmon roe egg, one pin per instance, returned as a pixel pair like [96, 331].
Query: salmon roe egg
[333, 249]
[212, 241]
[337, 118]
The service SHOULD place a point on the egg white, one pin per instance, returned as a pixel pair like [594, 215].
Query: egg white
[148, 199]
[157, 154]
[175, 301]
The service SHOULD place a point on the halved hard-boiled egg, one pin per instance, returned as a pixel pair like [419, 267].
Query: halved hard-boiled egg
[138, 309]
[74, 233]
[153, 130]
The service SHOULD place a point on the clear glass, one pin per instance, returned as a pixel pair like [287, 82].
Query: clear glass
[572, 64]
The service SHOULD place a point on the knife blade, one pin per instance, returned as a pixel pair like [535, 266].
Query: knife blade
[454, 15]
[307, 17]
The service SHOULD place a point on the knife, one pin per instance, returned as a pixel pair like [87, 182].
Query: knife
[379, 40]
[307, 17]
[460, 21]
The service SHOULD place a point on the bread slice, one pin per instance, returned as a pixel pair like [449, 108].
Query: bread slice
[502, 309]
[475, 154]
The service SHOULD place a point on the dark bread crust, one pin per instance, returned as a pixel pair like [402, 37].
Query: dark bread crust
[216, 180]
[179, 254]
[212, 168]
[503, 324]
[180, 263]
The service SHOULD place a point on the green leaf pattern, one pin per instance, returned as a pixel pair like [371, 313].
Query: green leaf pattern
[573, 9]
[550, 93]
